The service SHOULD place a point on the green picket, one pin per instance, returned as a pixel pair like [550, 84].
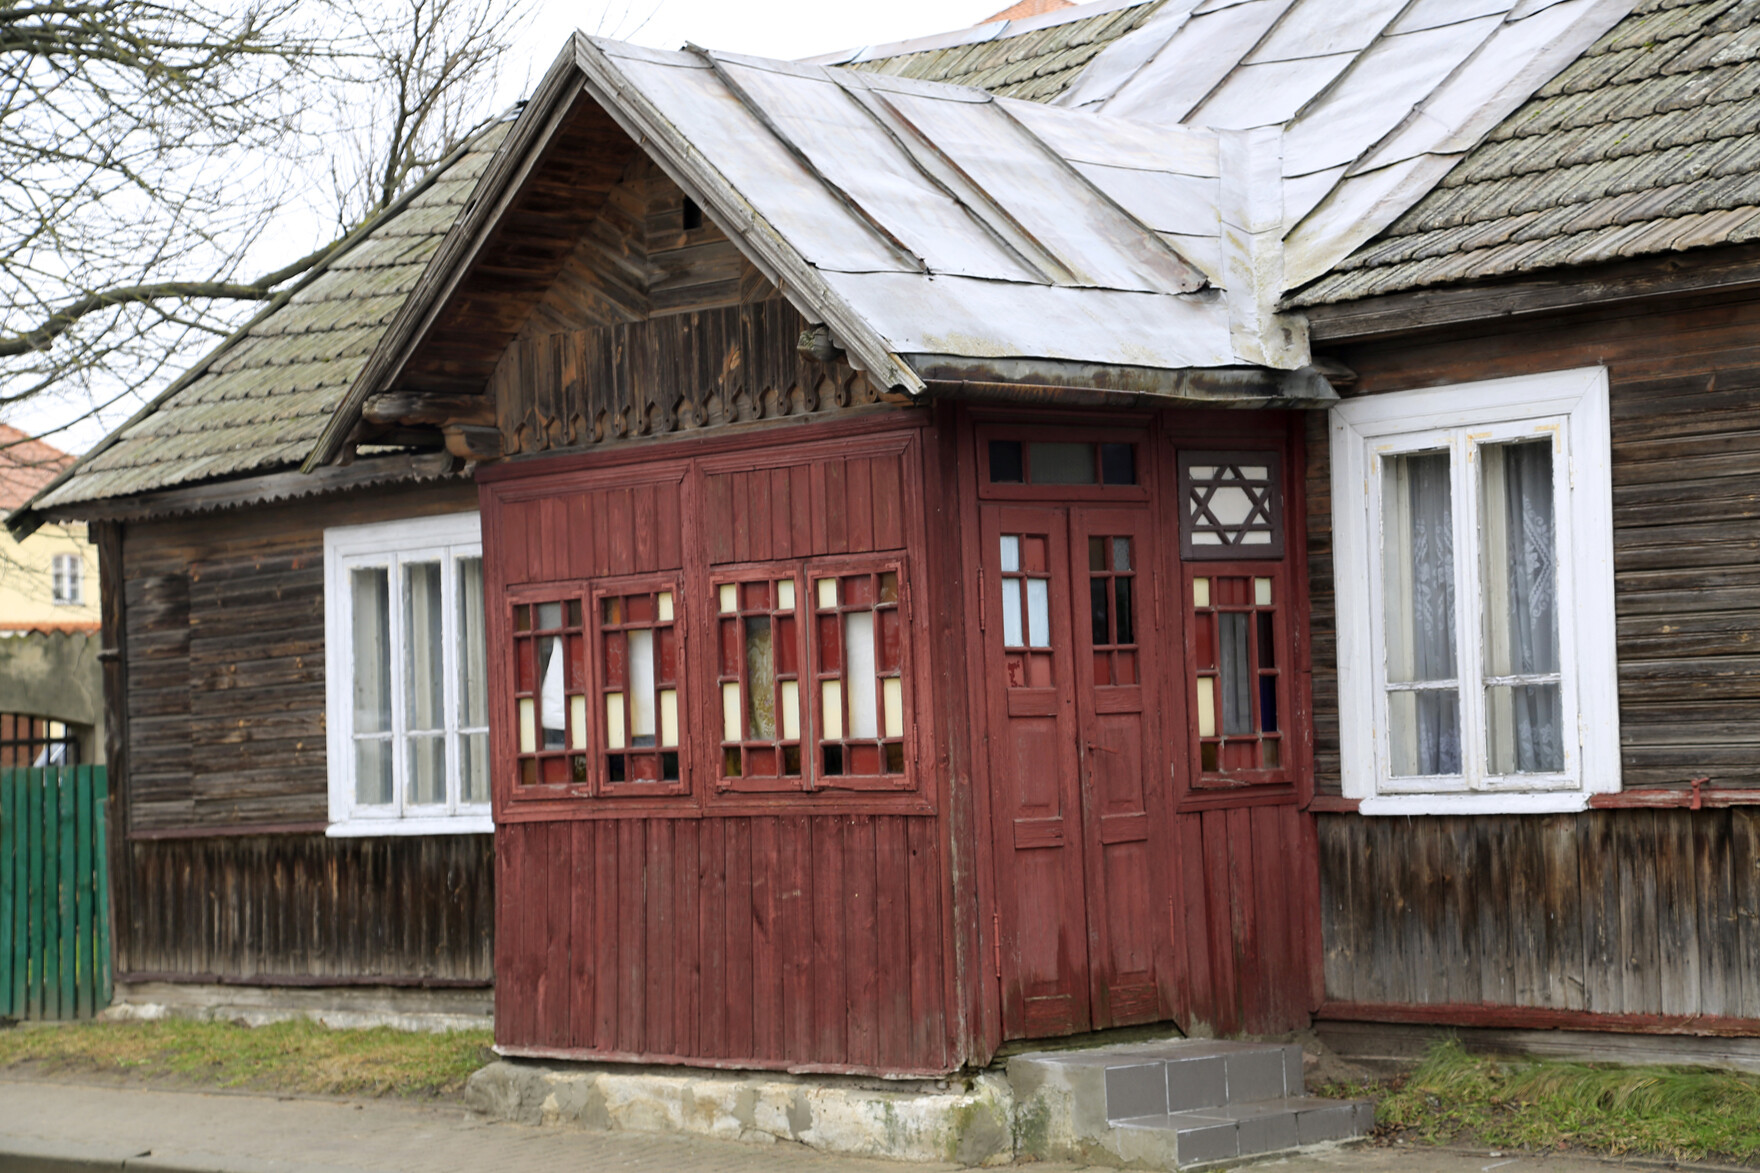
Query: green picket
[67, 953]
[101, 882]
[84, 954]
[33, 785]
[7, 818]
[21, 886]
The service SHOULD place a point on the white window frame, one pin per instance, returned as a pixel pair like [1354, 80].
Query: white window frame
[69, 571]
[1570, 406]
[391, 545]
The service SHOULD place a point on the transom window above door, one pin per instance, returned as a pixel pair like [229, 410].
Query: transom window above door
[1063, 464]
[1475, 590]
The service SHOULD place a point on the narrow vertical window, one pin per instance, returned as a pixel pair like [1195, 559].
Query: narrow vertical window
[424, 690]
[370, 599]
[1418, 576]
[1524, 708]
[1237, 678]
[758, 648]
[858, 651]
[550, 692]
[1112, 609]
[640, 675]
[473, 683]
[1024, 565]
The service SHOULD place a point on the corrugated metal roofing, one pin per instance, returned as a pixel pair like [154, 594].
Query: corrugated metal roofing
[1646, 143]
[259, 400]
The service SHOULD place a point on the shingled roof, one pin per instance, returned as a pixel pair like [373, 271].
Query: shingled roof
[1035, 58]
[1645, 144]
[259, 400]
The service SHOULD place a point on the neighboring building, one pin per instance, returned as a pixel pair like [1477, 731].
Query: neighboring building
[930, 591]
[51, 696]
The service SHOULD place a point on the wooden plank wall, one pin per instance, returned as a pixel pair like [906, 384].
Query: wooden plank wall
[307, 910]
[1614, 912]
[787, 940]
[222, 667]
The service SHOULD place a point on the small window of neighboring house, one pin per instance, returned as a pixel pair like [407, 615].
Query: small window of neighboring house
[407, 677]
[1474, 529]
[68, 580]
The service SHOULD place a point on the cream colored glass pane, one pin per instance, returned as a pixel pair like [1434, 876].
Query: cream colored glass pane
[1012, 634]
[1230, 505]
[1011, 553]
[1262, 592]
[1038, 612]
[641, 687]
[1201, 472]
[1206, 706]
[732, 729]
[663, 606]
[1200, 592]
[1255, 472]
[528, 726]
[729, 595]
[577, 724]
[791, 710]
[1256, 537]
[785, 594]
[831, 708]
[668, 718]
[1206, 537]
[858, 644]
[894, 690]
[614, 720]
[827, 588]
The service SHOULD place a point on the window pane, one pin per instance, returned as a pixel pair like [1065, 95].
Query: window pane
[473, 662]
[760, 679]
[1418, 565]
[1099, 611]
[858, 642]
[1118, 464]
[427, 770]
[1525, 728]
[641, 687]
[1236, 673]
[1011, 553]
[551, 708]
[372, 771]
[424, 677]
[1011, 612]
[474, 767]
[1005, 462]
[1519, 575]
[1121, 590]
[1424, 731]
[1062, 464]
[1038, 612]
[371, 591]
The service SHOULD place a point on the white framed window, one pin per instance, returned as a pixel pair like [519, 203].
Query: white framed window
[407, 677]
[67, 580]
[1474, 570]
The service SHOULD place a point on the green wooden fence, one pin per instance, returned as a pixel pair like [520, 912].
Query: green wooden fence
[54, 893]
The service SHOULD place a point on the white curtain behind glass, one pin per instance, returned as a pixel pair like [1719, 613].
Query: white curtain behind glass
[1524, 709]
[1423, 696]
[371, 613]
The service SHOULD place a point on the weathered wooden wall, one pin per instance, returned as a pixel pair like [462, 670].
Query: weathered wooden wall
[1642, 919]
[217, 708]
[794, 940]
[307, 910]
[1636, 913]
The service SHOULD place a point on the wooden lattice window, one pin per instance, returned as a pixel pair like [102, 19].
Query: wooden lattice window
[1239, 695]
[759, 653]
[640, 674]
[1026, 610]
[550, 692]
[1231, 505]
[1112, 567]
[859, 678]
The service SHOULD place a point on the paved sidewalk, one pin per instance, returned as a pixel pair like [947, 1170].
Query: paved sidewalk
[75, 1128]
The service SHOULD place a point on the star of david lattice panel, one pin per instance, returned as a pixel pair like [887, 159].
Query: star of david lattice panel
[1231, 505]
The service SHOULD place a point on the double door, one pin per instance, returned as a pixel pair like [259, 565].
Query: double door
[1081, 812]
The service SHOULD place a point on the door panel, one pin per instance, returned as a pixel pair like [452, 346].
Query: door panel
[1111, 557]
[1035, 799]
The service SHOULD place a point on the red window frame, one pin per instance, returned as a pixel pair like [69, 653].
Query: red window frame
[730, 666]
[544, 771]
[886, 761]
[643, 767]
[1219, 760]
[1143, 459]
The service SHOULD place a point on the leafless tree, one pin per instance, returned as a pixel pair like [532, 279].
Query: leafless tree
[148, 147]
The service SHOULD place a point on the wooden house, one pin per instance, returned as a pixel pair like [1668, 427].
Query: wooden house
[1251, 528]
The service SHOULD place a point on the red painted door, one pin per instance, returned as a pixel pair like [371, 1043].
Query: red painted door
[1079, 837]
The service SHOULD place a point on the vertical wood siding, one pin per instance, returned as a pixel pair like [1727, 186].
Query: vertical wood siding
[787, 941]
[303, 909]
[1616, 912]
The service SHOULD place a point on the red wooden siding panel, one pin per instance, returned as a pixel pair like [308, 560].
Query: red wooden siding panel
[763, 941]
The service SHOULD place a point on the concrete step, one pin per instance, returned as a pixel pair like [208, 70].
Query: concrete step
[1173, 1104]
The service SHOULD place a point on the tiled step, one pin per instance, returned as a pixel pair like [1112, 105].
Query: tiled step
[1173, 1104]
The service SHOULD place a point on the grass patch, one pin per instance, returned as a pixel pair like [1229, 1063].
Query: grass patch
[298, 1056]
[1683, 1113]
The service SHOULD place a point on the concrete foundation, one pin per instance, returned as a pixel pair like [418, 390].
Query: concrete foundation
[966, 1122]
[399, 1007]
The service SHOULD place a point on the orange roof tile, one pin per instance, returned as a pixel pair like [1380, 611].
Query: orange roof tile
[1028, 8]
[26, 465]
